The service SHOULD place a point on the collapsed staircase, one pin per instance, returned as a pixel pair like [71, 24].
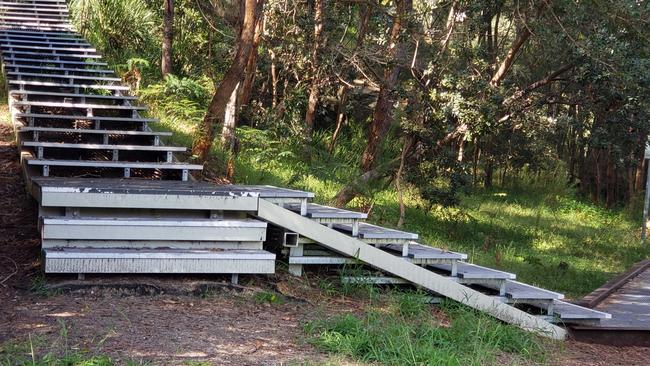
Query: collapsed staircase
[113, 199]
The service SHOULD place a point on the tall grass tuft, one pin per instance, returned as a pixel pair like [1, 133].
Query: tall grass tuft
[407, 333]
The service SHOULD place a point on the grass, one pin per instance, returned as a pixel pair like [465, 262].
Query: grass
[406, 332]
[41, 351]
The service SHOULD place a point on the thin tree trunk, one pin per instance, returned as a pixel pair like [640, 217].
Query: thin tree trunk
[383, 112]
[312, 103]
[274, 81]
[340, 115]
[408, 142]
[168, 37]
[216, 113]
[489, 172]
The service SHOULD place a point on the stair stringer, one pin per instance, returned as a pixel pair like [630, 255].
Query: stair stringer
[417, 275]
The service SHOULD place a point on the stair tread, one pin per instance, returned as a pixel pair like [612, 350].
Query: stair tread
[419, 251]
[93, 131]
[14, 74]
[85, 118]
[64, 145]
[473, 271]
[113, 164]
[64, 85]
[519, 291]
[30, 47]
[13, 59]
[567, 311]
[74, 95]
[317, 211]
[79, 105]
[52, 55]
[370, 231]
[143, 186]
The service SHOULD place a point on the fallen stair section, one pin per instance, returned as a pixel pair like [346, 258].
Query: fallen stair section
[114, 199]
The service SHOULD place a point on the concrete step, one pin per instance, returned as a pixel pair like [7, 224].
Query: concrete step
[168, 229]
[71, 260]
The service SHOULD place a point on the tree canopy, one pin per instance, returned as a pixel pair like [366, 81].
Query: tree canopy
[458, 92]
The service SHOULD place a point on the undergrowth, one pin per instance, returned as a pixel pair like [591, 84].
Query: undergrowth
[406, 332]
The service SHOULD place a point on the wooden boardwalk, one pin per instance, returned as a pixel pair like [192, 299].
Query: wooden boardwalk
[627, 299]
[629, 305]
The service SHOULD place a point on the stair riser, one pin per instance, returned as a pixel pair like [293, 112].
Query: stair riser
[143, 265]
[147, 201]
[152, 244]
[172, 232]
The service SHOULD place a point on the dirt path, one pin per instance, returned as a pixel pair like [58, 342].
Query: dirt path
[163, 323]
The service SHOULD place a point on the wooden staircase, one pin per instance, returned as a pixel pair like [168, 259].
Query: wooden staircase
[114, 199]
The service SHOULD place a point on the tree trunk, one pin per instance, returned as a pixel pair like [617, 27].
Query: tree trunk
[216, 113]
[274, 81]
[251, 68]
[408, 143]
[352, 189]
[383, 112]
[489, 172]
[312, 103]
[230, 121]
[522, 37]
[168, 37]
[340, 115]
